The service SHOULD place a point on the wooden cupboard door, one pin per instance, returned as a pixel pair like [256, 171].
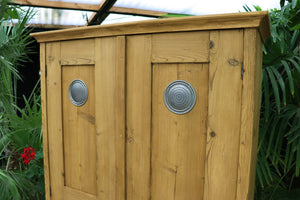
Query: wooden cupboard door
[165, 152]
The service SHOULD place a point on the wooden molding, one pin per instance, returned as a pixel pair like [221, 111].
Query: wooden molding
[193, 23]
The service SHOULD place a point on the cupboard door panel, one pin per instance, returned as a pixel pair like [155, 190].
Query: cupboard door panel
[79, 132]
[178, 141]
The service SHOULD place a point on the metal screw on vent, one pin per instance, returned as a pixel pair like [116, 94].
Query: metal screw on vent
[180, 97]
[78, 92]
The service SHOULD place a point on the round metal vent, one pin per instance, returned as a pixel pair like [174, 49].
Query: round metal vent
[78, 92]
[180, 97]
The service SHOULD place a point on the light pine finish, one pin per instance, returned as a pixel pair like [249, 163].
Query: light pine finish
[250, 113]
[138, 116]
[224, 112]
[110, 117]
[180, 47]
[79, 132]
[44, 119]
[54, 117]
[178, 141]
[124, 144]
[258, 20]
[79, 52]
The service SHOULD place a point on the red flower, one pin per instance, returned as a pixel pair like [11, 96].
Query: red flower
[28, 155]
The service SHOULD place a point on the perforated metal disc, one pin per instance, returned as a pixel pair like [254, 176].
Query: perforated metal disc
[180, 97]
[78, 92]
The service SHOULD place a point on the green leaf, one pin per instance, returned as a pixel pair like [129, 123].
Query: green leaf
[290, 77]
[281, 83]
[298, 158]
[265, 88]
[294, 38]
[275, 88]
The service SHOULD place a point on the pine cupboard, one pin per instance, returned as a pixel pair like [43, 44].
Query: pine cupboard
[160, 109]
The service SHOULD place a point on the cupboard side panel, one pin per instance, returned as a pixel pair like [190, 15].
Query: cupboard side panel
[54, 116]
[224, 112]
[138, 116]
[110, 117]
[250, 114]
[44, 118]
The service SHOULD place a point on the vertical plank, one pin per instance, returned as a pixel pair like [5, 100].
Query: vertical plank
[110, 117]
[44, 118]
[224, 112]
[250, 114]
[54, 116]
[79, 132]
[120, 116]
[178, 141]
[138, 117]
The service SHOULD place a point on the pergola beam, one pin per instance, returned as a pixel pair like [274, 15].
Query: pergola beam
[88, 7]
[57, 4]
[102, 13]
[139, 12]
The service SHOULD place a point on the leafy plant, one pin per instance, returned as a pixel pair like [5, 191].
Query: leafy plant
[19, 127]
[278, 159]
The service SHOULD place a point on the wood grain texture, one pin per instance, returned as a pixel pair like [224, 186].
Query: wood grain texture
[178, 141]
[250, 114]
[138, 116]
[54, 116]
[78, 52]
[79, 132]
[224, 112]
[180, 47]
[110, 117]
[194, 23]
[44, 119]
[72, 194]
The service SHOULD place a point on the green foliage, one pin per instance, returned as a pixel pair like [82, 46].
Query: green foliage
[19, 127]
[278, 158]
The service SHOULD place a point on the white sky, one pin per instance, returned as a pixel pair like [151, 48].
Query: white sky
[194, 7]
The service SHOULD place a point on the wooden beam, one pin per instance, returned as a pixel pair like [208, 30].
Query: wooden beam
[102, 13]
[57, 4]
[49, 26]
[88, 7]
[135, 11]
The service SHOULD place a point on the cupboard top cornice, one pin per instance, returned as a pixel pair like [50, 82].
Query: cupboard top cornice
[259, 20]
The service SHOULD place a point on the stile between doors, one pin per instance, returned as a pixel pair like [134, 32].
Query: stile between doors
[124, 143]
